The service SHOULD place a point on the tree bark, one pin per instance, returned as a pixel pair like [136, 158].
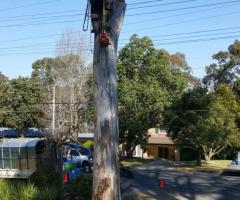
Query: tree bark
[129, 150]
[199, 161]
[209, 153]
[106, 175]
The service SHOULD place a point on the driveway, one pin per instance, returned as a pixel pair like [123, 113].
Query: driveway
[182, 185]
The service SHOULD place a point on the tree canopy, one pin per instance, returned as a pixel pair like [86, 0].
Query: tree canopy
[206, 120]
[21, 103]
[226, 70]
[148, 84]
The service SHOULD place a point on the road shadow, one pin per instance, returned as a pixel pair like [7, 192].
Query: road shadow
[186, 185]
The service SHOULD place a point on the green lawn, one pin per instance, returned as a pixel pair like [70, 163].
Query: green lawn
[211, 166]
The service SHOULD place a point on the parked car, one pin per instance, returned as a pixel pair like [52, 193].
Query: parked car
[75, 153]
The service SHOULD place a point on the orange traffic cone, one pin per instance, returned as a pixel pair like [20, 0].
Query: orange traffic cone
[65, 177]
[161, 183]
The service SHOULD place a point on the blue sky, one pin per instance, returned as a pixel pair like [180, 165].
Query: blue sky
[159, 20]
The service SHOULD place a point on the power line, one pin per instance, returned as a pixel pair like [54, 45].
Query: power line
[166, 35]
[145, 2]
[178, 15]
[37, 45]
[28, 5]
[199, 40]
[193, 32]
[30, 38]
[162, 4]
[184, 21]
[36, 51]
[45, 22]
[44, 48]
[38, 23]
[86, 47]
[39, 15]
[196, 36]
[183, 8]
[35, 16]
[33, 52]
[43, 17]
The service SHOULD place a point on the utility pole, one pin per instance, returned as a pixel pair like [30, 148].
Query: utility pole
[53, 110]
[107, 17]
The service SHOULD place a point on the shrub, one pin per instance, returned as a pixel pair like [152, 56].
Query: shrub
[23, 191]
[49, 193]
[42, 185]
[49, 183]
[5, 190]
[17, 190]
[46, 177]
[81, 187]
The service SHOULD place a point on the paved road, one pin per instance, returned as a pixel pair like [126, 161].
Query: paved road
[183, 185]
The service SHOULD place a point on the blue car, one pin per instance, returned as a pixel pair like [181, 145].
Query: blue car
[85, 155]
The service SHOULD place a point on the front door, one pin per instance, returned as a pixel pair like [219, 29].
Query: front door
[163, 152]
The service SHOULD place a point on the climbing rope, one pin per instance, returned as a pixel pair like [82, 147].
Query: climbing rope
[86, 17]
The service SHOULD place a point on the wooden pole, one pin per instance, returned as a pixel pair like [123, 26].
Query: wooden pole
[53, 110]
[106, 175]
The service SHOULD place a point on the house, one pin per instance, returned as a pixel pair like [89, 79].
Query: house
[160, 145]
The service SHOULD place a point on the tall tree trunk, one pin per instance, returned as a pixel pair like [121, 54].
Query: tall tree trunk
[199, 156]
[129, 150]
[106, 176]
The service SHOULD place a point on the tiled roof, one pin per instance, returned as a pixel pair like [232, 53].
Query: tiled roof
[158, 137]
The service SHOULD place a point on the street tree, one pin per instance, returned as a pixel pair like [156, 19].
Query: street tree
[148, 84]
[226, 70]
[207, 121]
[21, 104]
[185, 115]
[220, 129]
[63, 80]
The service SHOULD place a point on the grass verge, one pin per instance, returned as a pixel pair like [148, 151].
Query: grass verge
[215, 166]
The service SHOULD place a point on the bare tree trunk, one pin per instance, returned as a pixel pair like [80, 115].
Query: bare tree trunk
[199, 161]
[209, 153]
[106, 176]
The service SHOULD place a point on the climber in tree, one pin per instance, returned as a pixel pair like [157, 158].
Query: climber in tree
[96, 7]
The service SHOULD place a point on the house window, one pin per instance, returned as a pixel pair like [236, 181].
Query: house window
[157, 130]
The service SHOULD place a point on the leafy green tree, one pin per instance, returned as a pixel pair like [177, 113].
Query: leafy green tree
[21, 104]
[236, 89]
[220, 128]
[206, 120]
[226, 70]
[185, 115]
[148, 84]
[4, 85]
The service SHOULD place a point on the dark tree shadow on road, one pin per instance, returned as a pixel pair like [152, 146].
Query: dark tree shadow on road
[188, 185]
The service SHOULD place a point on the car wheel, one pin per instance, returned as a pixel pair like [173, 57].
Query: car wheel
[86, 167]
